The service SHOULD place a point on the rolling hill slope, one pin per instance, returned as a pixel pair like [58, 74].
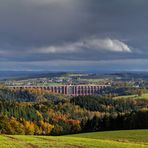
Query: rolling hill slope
[112, 139]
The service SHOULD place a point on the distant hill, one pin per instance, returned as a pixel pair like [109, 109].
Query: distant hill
[27, 74]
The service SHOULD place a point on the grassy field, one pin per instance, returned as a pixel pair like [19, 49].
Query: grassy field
[113, 139]
[144, 96]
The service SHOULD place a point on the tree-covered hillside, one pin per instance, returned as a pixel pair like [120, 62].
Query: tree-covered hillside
[39, 112]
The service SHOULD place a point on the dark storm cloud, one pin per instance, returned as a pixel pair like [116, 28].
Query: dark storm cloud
[72, 30]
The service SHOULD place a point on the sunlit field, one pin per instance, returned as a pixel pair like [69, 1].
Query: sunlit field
[143, 96]
[112, 139]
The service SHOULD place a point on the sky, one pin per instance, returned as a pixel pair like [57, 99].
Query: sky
[74, 35]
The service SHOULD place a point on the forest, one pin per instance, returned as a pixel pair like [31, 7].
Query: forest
[40, 112]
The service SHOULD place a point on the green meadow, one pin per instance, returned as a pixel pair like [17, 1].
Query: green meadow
[143, 96]
[111, 139]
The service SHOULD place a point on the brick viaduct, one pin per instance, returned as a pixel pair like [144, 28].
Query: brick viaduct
[71, 90]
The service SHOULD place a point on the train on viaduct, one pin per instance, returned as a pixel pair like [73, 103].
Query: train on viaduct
[71, 90]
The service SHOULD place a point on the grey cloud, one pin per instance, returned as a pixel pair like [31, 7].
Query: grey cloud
[66, 65]
[47, 30]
